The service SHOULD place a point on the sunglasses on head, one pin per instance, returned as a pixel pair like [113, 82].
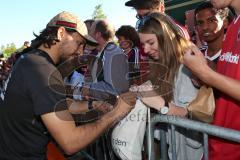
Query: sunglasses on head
[142, 21]
[152, 16]
[139, 17]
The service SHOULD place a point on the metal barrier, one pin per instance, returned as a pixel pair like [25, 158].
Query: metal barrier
[204, 128]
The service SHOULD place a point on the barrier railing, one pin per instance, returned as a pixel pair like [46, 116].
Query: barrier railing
[173, 121]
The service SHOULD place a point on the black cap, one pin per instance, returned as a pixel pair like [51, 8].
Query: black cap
[142, 4]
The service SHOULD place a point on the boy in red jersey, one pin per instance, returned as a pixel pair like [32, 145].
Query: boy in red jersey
[227, 80]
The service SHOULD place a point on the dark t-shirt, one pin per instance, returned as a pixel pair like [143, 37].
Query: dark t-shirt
[35, 88]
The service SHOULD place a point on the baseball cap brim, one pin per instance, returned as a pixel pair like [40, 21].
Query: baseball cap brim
[142, 4]
[133, 3]
[90, 40]
[71, 21]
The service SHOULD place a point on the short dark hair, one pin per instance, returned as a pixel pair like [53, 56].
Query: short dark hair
[89, 21]
[223, 13]
[129, 33]
[104, 28]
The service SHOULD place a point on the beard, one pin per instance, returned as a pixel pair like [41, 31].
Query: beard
[66, 53]
[62, 60]
[67, 66]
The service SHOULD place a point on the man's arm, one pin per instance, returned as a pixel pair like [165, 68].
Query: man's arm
[195, 60]
[223, 83]
[76, 107]
[71, 138]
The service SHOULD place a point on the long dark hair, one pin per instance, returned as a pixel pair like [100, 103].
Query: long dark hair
[47, 37]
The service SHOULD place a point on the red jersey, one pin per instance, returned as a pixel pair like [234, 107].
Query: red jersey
[227, 113]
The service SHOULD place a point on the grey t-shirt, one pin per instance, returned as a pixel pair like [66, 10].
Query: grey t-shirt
[184, 91]
[188, 142]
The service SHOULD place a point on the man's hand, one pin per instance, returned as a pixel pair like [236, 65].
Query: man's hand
[102, 106]
[195, 60]
[85, 92]
[126, 103]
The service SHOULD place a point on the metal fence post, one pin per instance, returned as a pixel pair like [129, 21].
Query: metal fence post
[205, 146]
[163, 143]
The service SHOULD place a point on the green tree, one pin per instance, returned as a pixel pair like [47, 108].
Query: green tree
[2, 47]
[98, 13]
[8, 49]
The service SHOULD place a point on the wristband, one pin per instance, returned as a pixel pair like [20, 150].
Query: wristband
[90, 106]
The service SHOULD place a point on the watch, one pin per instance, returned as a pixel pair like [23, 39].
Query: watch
[164, 109]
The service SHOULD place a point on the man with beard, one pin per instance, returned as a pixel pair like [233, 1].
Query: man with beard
[35, 107]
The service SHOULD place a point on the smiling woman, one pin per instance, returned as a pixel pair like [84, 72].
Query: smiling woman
[164, 42]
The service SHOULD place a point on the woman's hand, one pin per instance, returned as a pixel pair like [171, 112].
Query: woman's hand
[148, 96]
[156, 102]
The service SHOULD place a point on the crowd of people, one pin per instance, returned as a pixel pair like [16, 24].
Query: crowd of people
[74, 67]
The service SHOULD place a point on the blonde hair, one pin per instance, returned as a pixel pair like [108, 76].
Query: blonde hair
[172, 45]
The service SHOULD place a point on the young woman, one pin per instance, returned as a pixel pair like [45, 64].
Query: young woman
[164, 42]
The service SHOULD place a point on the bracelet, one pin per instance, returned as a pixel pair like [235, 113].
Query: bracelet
[90, 106]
